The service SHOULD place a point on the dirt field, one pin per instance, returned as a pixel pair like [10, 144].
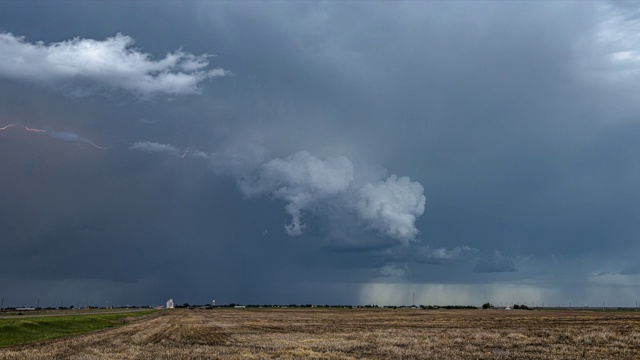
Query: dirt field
[355, 334]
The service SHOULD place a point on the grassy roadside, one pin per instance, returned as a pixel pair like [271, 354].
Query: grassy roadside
[22, 331]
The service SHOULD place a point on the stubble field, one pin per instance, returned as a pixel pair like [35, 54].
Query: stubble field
[354, 334]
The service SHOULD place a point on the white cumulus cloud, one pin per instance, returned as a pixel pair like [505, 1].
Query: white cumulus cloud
[301, 180]
[307, 183]
[110, 63]
[392, 206]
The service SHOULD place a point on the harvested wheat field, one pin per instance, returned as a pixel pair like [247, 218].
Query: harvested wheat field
[354, 334]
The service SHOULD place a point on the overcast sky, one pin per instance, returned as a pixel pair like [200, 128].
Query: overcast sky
[319, 152]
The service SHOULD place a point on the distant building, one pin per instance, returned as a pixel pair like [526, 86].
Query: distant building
[170, 304]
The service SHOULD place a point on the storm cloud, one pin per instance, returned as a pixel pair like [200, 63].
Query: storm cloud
[330, 152]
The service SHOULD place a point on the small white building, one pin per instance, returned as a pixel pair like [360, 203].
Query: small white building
[170, 304]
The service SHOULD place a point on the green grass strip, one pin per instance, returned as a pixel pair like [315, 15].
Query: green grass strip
[17, 331]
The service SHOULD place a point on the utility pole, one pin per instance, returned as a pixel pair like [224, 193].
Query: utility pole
[2, 302]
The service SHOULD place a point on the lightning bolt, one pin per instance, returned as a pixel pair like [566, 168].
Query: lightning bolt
[22, 126]
[65, 136]
[34, 130]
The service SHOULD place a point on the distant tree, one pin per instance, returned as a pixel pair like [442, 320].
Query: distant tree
[516, 307]
[486, 306]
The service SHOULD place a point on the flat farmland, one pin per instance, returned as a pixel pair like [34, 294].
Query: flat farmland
[354, 334]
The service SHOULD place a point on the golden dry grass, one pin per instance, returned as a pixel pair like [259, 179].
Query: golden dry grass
[355, 334]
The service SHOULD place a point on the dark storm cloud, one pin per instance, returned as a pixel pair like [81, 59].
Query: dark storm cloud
[424, 254]
[495, 264]
[516, 121]
[632, 269]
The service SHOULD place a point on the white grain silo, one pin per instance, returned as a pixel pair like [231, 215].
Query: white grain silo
[170, 304]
